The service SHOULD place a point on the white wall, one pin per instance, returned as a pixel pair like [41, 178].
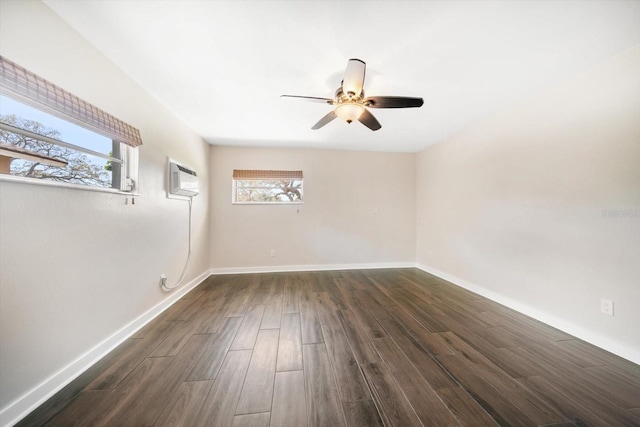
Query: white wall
[77, 266]
[359, 209]
[516, 206]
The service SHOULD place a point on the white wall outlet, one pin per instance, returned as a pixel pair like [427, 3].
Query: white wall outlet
[273, 252]
[606, 306]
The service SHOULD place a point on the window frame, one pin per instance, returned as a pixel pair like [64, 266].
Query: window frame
[124, 158]
[31, 90]
[265, 175]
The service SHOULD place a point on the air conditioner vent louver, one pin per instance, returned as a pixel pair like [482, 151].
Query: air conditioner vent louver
[186, 170]
[182, 180]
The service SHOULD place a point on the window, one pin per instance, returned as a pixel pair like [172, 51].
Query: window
[267, 186]
[47, 134]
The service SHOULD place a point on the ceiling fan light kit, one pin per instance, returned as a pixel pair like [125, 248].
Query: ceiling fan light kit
[349, 111]
[350, 101]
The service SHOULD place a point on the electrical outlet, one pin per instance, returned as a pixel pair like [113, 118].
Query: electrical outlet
[606, 306]
[273, 253]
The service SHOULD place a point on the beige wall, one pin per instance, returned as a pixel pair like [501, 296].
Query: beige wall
[359, 208]
[513, 206]
[517, 205]
[77, 266]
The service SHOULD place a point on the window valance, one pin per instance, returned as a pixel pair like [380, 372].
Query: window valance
[266, 174]
[18, 82]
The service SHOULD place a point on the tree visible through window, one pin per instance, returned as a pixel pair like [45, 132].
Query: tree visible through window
[49, 134]
[73, 167]
[267, 186]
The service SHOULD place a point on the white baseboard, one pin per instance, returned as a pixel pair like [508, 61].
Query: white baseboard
[20, 408]
[313, 267]
[570, 328]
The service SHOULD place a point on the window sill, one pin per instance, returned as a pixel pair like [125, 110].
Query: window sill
[41, 182]
[268, 203]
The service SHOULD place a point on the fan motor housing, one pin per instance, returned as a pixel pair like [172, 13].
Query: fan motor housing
[342, 97]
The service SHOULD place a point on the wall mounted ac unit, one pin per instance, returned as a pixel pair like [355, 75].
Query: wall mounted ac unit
[182, 180]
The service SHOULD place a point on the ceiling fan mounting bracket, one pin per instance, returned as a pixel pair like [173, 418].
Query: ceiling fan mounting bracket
[349, 97]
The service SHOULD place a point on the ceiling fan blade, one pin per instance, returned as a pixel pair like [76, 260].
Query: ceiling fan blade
[311, 98]
[354, 77]
[326, 119]
[392, 102]
[367, 119]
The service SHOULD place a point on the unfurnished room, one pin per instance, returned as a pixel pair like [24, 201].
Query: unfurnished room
[319, 213]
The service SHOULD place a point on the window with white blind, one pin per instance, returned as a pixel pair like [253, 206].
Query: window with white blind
[267, 186]
[48, 134]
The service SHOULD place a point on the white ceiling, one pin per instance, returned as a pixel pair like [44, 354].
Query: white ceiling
[221, 66]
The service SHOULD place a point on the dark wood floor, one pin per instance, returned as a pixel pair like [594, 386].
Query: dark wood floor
[361, 348]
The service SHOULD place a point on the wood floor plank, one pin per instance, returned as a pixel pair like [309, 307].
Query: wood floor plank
[394, 408]
[290, 343]
[80, 412]
[429, 341]
[321, 389]
[185, 405]
[601, 358]
[615, 384]
[48, 410]
[257, 391]
[583, 358]
[366, 320]
[534, 406]
[362, 413]
[289, 404]
[192, 311]
[240, 297]
[326, 308]
[501, 337]
[351, 384]
[143, 395]
[181, 310]
[291, 295]
[252, 420]
[175, 339]
[429, 368]
[248, 331]
[495, 403]
[207, 366]
[466, 410]
[360, 344]
[272, 313]
[122, 403]
[213, 318]
[309, 320]
[131, 354]
[424, 400]
[522, 325]
[220, 406]
[512, 361]
[420, 310]
[575, 408]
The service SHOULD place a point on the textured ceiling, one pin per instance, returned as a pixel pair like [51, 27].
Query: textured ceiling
[221, 66]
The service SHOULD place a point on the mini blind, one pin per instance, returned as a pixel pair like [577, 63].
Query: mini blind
[20, 83]
[266, 174]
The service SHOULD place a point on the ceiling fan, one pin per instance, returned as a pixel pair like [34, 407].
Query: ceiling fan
[350, 102]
